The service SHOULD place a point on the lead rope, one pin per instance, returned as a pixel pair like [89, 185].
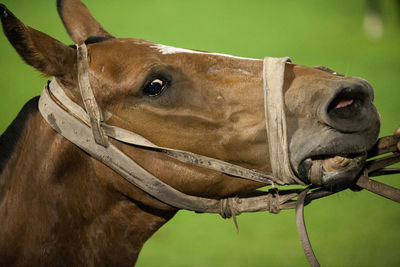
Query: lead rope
[302, 230]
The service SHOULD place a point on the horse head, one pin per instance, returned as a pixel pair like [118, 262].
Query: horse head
[206, 103]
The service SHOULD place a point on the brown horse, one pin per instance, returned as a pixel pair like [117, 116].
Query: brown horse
[59, 206]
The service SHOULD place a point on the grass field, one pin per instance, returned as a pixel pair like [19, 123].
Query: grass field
[348, 229]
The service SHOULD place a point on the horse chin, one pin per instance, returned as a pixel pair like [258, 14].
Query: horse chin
[332, 172]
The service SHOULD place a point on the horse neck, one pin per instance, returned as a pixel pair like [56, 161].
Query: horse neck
[58, 205]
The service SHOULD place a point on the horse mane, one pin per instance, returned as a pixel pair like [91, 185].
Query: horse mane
[9, 139]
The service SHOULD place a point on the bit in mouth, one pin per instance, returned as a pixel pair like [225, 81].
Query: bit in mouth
[332, 171]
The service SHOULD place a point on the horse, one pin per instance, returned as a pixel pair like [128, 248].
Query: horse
[60, 206]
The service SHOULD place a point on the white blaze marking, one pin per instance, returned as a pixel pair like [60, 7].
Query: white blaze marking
[167, 50]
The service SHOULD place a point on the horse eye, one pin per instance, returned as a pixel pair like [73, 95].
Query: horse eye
[155, 87]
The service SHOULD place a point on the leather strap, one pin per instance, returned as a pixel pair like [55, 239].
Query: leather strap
[379, 188]
[302, 230]
[91, 106]
[274, 74]
[377, 167]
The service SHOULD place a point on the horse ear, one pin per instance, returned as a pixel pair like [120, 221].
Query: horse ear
[78, 21]
[39, 50]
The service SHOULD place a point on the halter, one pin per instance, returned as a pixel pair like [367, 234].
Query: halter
[87, 129]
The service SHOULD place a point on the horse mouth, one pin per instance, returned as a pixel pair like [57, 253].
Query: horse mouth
[332, 171]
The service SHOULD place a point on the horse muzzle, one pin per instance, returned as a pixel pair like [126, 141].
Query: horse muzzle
[349, 125]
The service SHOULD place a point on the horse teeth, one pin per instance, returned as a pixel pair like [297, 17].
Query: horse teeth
[335, 164]
[342, 161]
[338, 159]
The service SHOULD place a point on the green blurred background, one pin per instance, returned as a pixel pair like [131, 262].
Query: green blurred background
[348, 229]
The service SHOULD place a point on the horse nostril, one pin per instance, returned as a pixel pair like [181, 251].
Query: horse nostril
[347, 104]
[349, 107]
